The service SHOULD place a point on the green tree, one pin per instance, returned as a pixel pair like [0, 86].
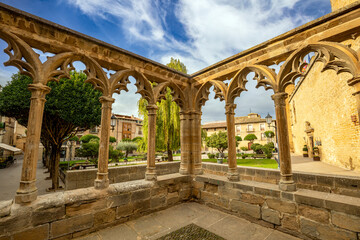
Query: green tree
[90, 149]
[72, 105]
[269, 134]
[112, 139]
[250, 137]
[218, 141]
[238, 138]
[127, 147]
[167, 119]
[86, 138]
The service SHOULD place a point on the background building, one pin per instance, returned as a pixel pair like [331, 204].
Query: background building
[250, 124]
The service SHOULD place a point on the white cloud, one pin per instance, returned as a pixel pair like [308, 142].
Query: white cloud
[214, 30]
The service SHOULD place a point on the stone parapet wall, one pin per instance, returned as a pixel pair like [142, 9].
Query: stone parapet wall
[71, 214]
[343, 185]
[304, 213]
[75, 179]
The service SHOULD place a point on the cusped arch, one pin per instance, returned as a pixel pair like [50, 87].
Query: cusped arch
[202, 94]
[265, 77]
[335, 56]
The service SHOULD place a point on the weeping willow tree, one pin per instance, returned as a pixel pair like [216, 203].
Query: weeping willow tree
[167, 119]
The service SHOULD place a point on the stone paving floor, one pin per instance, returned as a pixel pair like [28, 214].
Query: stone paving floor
[10, 179]
[160, 223]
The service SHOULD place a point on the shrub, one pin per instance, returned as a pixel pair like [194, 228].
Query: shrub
[211, 155]
[115, 154]
[112, 139]
[126, 146]
[244, 148]
[88, 137]
[250, 137]
[257, 148]
[217, 155]
[269, 134]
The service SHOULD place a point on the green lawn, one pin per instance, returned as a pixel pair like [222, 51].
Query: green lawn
[262, 163]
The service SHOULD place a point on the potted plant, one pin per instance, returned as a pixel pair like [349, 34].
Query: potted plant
[316, 154]
[305, 151]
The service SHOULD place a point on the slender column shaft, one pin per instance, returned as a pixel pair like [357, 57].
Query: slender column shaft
[185, 142]
[355, 82]
[196, 143]
[286, 180]
[150, 170]
[102, 179]
[232, 174]
[27, 191]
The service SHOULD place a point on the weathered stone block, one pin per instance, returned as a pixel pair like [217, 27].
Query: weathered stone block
[290, 222]
[320, 231]
[158, 191]
[245, 208]
[5, 207]
[172, 198]
[327, 181]
[316, 214]
[173, 188]
[141, 206]
[6, 238]
[84, 207]
[346, 204]
[211, 188]
[251, 198]
[306, 179]
[185, 194]
[287, 196]
[207, 197]
[118, 200]
[199, 185]
[267, 192]
[222, 202]
[312, 198]
[124, 211]
[157, 202]
[346, 221]
[40, 216]
[104, 216]
[270, 215]
[281, 206]
[140, 195]
[70, 225]
[37, 233]
[243, 187]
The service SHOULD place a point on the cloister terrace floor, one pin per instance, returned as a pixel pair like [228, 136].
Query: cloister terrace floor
[159, 224]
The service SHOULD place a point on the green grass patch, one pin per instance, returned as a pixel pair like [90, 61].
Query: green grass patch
[262, 163]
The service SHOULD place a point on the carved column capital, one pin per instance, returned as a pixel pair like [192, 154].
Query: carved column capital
[152, 108]
[230, 108]
[105, 99]
[279, 98]
[38, 91]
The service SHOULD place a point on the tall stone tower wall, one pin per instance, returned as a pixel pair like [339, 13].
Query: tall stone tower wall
[336, 4]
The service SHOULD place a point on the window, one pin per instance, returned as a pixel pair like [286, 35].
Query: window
[250, 128]
[263, 137]
[262, 126]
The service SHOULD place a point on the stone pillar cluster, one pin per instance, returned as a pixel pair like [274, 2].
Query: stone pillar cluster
[232, 174]
[185, 142]
[150, 170]
[286, 181]
[102, 180]
[27, 191]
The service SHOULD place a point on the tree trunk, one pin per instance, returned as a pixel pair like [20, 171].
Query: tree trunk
[170, 154]
[55, 159]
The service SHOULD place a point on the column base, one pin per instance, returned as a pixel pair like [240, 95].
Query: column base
[184, 172]
[233, 176]
[150, 174]
[102, 181]
[21, 198]
[287, 186]
[198, 171]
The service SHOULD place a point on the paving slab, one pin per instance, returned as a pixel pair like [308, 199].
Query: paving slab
[159, 224]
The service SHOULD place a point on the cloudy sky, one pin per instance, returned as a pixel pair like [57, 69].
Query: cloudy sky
[198, 32]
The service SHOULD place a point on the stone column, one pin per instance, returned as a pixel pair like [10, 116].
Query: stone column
[151, 148]
[27, 191]
[289, 90]
[185, 143]
[196, 143]
[102, 179]
[232, 174]
[286, 181]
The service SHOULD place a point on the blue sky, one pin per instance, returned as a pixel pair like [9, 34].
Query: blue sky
[199, 33]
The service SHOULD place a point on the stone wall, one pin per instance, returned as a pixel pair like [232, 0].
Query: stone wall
[336, 4]
[343, 185]
[75, 179]
[71, 214]
[304, 213]
[325, 100]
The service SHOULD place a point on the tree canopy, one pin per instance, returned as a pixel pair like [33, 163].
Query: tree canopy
[250, 137]
[269, 134]
[86, 138]
[218, 140]
[71, 105]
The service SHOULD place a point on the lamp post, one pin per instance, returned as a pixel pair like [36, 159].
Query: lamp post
[113, 122]
[268, 121]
